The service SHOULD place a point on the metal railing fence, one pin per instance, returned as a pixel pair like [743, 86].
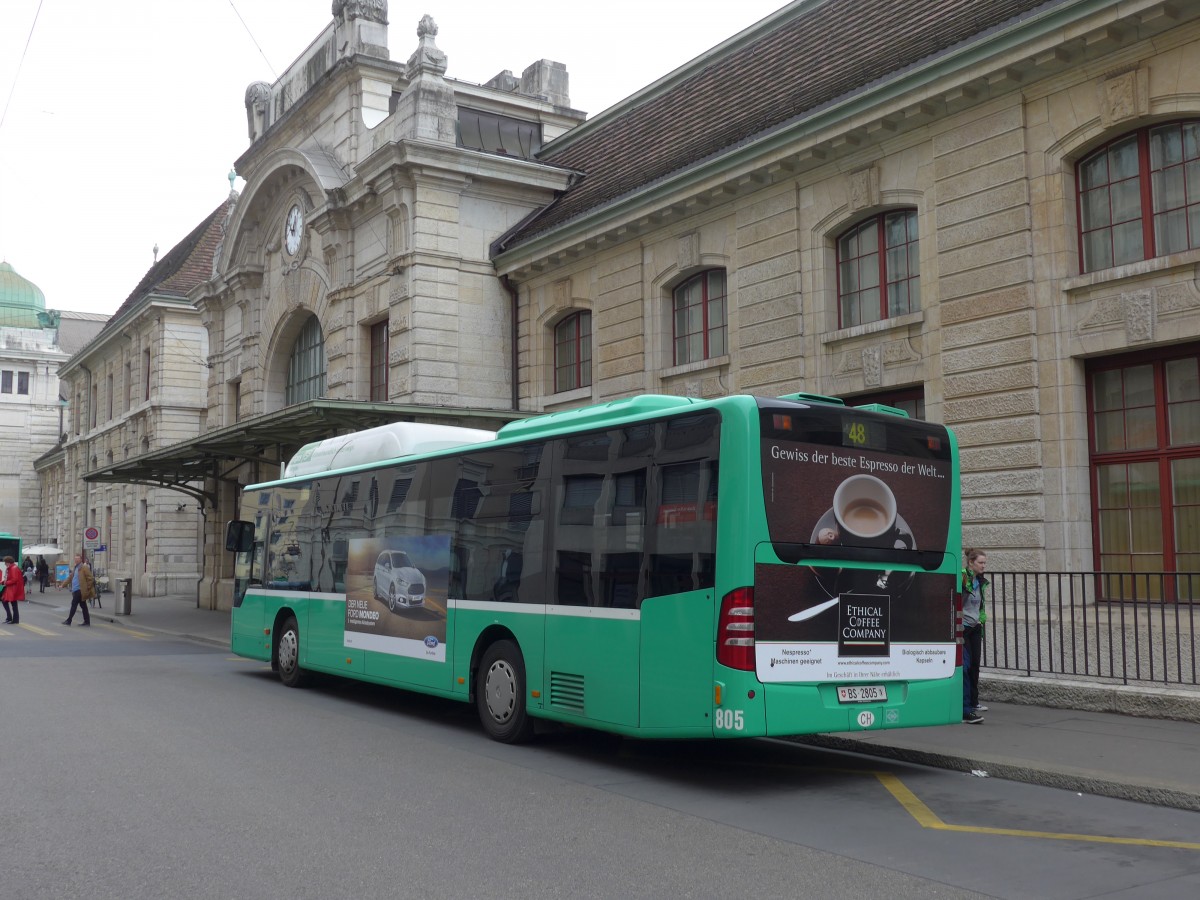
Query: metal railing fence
[1112, 627]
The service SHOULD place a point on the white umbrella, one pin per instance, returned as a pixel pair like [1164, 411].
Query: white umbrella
[41, 550]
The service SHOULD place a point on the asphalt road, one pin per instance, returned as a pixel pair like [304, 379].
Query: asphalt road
[141, 766]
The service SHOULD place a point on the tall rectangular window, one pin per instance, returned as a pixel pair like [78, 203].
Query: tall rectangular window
[23, 383]
[573, 352]
[146, 373]
[6, 382]
[699, 323]
[379, 361]
[1144, 429]
[883, 250]
[108, 389]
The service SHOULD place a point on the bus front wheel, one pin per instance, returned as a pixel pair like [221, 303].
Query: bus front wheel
[287, 654]
[500, 694]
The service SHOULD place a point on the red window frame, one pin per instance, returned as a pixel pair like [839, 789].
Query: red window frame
[379, 362]
[573, 369]
[877, 256]
[1161, 454]
[1148, 177]
[712, 329]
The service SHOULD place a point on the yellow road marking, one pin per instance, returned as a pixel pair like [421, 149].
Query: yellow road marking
[928, 819]
[123, 630]
[42, 631]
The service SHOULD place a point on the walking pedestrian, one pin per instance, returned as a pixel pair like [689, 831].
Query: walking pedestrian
[14, 591]
[43, 574]
[974, 614]
[83, 589]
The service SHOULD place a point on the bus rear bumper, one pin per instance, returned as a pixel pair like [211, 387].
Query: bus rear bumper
[815, 708]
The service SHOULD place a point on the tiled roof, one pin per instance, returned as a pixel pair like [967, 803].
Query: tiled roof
[186, 265]
[823, 52]
[76, 330]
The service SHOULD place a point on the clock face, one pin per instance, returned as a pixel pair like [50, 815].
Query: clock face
[293, 229]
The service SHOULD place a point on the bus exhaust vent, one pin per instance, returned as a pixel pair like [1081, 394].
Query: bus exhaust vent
[566, 692]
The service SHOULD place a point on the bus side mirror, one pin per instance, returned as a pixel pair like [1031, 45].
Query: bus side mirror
[239, 536]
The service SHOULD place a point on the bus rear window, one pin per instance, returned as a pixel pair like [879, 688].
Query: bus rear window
[840, 482]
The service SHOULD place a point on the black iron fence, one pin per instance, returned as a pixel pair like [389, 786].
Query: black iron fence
[1113, 627]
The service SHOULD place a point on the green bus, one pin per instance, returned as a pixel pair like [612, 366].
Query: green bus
[657, 566]
[10, 545]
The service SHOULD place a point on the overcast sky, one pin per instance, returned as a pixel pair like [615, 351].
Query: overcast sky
[122, 118]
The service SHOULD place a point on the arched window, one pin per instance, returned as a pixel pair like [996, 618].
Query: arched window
[1139, 196]
[573, 352]
[882, 250]
[306, 365]
[699, 323]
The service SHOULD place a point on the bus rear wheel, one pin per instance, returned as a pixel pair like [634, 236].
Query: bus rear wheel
[287, 654]
[500, 694]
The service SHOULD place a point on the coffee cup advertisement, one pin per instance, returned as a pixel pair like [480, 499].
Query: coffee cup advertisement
[830, 621]
[832, 496]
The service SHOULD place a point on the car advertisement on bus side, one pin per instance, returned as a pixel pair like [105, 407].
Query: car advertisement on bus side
[396, 590]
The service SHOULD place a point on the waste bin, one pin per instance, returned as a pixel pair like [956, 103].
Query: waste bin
[124, 596]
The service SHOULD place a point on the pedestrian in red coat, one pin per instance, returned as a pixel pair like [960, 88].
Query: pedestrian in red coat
[14, 591]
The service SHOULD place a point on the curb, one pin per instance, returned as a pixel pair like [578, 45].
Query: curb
[1045, 777]
[123, 622]
[1148, 701]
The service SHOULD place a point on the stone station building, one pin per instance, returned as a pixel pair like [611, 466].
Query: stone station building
[985, 213]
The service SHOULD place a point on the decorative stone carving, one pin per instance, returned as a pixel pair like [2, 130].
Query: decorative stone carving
[1135, 310]
[397, 355]
[1173, 299]
[258, 107]
[427, 58]
[398, 222]
[901, 351]
[399, 290]
[689, 251]
[336, 349]
[1139, 316]
[848, 363]
[1106, 311]
[872, 367]
[371, 10]
[560, 291]
[397, 324]
[862, 188]
[1123, 96]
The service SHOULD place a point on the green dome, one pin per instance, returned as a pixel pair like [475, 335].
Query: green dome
[20, 299]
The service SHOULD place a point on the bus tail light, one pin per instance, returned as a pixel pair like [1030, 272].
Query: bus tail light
[735, 630]
[958, 631]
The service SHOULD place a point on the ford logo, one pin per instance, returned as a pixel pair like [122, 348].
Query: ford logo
[431, 642]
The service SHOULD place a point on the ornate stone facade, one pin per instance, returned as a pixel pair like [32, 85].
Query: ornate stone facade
[392, 221]
[985, 154]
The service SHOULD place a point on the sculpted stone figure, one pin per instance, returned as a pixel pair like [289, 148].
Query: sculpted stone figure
[371, 10]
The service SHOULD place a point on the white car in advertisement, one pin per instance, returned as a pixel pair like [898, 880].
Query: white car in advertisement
[397, 581]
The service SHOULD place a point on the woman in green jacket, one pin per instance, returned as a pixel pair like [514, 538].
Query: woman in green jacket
[974, 614]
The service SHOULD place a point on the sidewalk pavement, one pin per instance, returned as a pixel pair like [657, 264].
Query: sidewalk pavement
[1059, 736]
